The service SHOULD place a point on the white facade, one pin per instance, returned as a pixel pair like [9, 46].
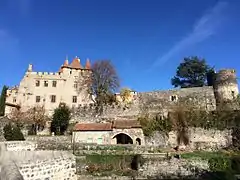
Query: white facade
[96, 137]
[49, 89]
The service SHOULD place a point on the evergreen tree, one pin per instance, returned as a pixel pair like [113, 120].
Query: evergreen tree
[3, 100]
[60, 119]
[192, 72]
[12, 133]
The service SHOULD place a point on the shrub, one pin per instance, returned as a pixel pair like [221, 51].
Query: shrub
[12, 133]
[219, 164]
[235, 164]
[156, 123]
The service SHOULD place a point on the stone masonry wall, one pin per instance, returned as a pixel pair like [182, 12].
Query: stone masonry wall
[35, 165]
[54, 165]
[158, 169]
[20, 145]
[152, 102]
[200, 139]
[49, 138]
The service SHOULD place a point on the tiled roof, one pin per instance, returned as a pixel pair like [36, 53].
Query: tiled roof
[126, 124]
[93, 127]
[60, 70]
[76, 64]
[65, 63]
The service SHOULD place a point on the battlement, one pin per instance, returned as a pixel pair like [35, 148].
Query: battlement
[52, 73]
[226, 76]
[44, 73]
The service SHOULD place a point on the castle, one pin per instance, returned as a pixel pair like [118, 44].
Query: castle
[68, 86]
[50, 89]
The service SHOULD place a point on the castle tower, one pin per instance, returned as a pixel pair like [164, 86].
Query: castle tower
[88, 64]
[30, 68]
[225, 85]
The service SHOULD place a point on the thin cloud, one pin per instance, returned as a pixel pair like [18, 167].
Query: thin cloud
[205, 27]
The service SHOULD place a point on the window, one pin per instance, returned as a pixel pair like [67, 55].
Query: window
[75, 85]
[14, 100]
[54, 84]
[74, 100]
[53, 98]
[37, 83]
[45, 83]
[174, 98]
[89, 140]
[38, 99]
[99, 141]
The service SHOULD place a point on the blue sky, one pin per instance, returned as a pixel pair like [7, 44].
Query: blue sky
[145, 40]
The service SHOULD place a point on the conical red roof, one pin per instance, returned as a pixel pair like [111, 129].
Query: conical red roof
[76, 64]
[88, 64]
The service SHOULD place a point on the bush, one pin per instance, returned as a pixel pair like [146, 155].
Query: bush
[156, 123]
[219, 164]
[235, 164]
[13, 133]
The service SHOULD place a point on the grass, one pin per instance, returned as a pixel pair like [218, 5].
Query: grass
[205, 155]
[107, 159]
[102, 165]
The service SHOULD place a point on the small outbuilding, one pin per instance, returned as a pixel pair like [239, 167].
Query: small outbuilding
[115, 132]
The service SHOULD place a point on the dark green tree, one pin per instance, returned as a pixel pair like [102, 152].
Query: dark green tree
[12, 133]
[3, 100]
[60, 120]
[192, 72]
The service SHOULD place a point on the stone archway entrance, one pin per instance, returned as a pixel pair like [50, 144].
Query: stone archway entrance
[123, 139]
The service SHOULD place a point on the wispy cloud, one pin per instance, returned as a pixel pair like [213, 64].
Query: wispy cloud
[205, 27]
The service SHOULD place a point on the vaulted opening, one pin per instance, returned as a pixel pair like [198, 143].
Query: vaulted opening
[123, 139]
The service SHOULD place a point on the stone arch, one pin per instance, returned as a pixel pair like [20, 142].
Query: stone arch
[138, 141]
[123, 138]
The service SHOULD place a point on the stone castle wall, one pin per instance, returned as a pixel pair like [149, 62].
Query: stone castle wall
[172, 168]
[200, 139]
[151, 102]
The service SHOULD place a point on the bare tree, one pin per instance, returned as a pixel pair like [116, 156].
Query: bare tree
[34, 116]
[37, 116]
[103, 83]
[18, 117]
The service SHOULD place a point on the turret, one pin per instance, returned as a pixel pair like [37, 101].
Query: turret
[225, 85]
[88, 64]
[30, 68]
